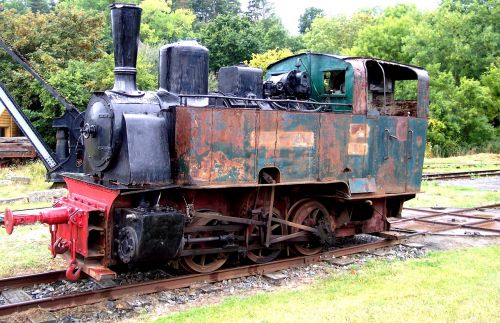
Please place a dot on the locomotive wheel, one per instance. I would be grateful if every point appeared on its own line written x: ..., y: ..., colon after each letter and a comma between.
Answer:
x: 203, y: 263
x: 307, y: 212
x: 263, y: 255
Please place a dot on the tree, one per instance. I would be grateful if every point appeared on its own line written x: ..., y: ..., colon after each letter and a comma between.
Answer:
x: 490, y: 79
x: 95, y: 5
x: 386, y: 38
x: 38, y: 5
x: 181, y: 4
x: 458, y: 114
x: 160, y: 24
x: 19, y: 5
x: 231, y: 40
x: 68, y: 34
x: 259, y: 9
x: 265, y: 59
x: 337, y: 35
x: 272, y: 34
x: 307, y: 18
x: 207, y: 10
x: 464, y: 40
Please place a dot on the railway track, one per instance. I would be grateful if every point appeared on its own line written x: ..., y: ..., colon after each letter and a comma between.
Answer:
x: 418, y: 221
x: 92, y: 297
x: 458, y: 175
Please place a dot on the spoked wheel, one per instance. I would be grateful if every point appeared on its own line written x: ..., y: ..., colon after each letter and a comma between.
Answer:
x: 203, y: 263
x: 307, y: 212
x: 256, y: 234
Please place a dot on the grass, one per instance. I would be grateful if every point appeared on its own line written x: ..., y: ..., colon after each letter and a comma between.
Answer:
x: 436, y: 194
x: 35, y: 170
x: 462, y: 163
x: 446, y: 286
x: 26, y: 251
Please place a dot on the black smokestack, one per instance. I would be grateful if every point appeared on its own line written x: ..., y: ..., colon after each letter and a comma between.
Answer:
x: 125, y: 22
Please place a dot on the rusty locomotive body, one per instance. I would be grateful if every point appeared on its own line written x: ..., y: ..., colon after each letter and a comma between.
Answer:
x: 322, y: 149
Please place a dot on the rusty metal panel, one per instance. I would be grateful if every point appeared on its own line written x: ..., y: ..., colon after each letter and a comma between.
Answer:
x: 230, y: 146
x: 359, y: 134
x: 423, y: 93
x: 193, y: 144
x: 297, y: 145
x: 389, y: 153
x: 265, y: 138
x: 360, y: 90
x: 362, y: 185
x: 417, y: 131
x: 233, y: 146
x: 333, y: 146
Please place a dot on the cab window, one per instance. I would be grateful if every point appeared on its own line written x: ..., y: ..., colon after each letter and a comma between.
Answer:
x: 334, y: 82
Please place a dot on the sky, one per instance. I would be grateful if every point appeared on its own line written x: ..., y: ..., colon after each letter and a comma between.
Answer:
x: 290, y: 10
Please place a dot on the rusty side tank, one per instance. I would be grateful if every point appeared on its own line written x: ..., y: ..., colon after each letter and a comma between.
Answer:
x: 369, y: 138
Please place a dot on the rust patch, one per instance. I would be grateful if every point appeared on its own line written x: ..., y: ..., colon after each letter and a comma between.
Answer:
x: 356, y: 148
x: 284, y: 139
x: 227, y: 170
x: 419, y: 141
x: 402, y: 129
x: 386, y: 179
x: 200, y: 170
x: 358, y: 134
x: 333, y: 145
x: 359, y: 89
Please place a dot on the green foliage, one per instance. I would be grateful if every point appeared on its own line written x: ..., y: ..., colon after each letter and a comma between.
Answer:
x: 63, y: 35
x: 463, y: 41
x: 458, y: 114
x: 337, y: 34
x: 263, y: 60
x: 38, y: 5
x: 161, y: 25
x: 259, y: 9
x: 491, y: 80
x: 270, y: 34
x: 386, y: 37
x: 77, y: 81
x: 91, y: 5
x: 230, y: 39
x: 307, y: 18
x: 207, y: 10
x: 17, y: 5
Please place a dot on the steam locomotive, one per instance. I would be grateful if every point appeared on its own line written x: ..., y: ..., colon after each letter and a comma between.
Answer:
x: 322, y: 149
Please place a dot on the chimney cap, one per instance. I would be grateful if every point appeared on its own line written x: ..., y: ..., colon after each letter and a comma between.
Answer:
x: 119, y: 5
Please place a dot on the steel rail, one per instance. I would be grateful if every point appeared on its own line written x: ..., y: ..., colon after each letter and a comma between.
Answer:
x: 92, y: 297
x: 432, y: 217
x: 456, y: 175
x: 459, y: 212
x: 40, y: 278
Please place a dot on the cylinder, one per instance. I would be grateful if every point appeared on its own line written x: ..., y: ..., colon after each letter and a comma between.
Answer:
x: 184, y: 68
x: 125, y: 24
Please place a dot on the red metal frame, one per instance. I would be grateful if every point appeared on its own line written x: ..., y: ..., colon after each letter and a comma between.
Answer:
x: 68, y: 220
